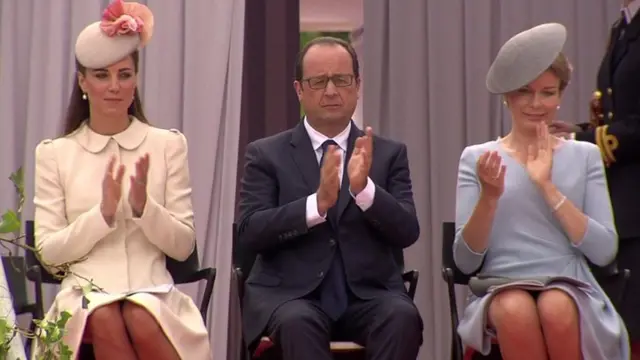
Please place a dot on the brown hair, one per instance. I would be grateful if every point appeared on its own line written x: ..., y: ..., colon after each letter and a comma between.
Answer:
x: 78, y: 108
x: 561, y: 67
x: 326, y: 40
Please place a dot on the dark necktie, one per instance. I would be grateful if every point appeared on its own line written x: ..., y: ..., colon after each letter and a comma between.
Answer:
x: 333, y: 290
x: 325, y: 146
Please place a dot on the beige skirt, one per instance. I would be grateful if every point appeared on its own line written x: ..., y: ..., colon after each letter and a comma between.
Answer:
x: 174, y: 311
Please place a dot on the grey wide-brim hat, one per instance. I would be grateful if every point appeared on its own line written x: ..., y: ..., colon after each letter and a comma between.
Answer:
x: 525, y: 56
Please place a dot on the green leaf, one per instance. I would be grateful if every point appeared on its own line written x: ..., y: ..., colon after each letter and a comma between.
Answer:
x: 17, y: 178
x: 64, y: 317
x: 9, y: 222
x: 65, y: 352
x: 3, y: 329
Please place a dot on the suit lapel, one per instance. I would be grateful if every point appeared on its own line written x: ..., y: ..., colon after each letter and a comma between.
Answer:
x: 607, y: 62
x: 629, y: 36
x: 345, y: 197
x: 305, y: 157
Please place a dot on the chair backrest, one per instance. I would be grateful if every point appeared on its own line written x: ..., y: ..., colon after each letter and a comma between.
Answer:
x: 448, y: 236
x: 182, y: 270
x: 15, y: 272
x: 30, y: 256
x: 243, y: 259
x: 179, y: 270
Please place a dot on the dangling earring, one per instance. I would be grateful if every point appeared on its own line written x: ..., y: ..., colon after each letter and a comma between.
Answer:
x: 84, y: 96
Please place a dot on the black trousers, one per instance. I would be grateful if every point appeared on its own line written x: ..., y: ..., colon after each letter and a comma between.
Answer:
x: 389, y: 327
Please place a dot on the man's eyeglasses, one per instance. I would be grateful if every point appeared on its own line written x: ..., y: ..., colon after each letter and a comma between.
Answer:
x: 321, y: 82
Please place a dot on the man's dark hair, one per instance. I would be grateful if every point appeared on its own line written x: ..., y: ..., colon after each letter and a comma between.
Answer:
x: 327, y: 40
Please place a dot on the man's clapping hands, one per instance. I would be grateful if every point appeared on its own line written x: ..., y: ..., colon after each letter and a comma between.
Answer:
x: 357, y: 171
x: 360, y: 162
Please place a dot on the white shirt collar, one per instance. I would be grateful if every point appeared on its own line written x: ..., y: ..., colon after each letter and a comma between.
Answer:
x: 631, y: 10
x: 131, y: 138
x: 317, y: 139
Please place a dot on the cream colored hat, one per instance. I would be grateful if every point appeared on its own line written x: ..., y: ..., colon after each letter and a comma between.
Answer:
x: 124, y: 28
x: 525, y: 56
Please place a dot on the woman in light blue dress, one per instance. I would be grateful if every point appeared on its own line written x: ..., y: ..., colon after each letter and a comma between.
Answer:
x: 533, y: 205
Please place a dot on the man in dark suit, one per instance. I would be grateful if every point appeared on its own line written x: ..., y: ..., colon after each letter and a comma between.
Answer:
x: 325, y: 206
x: 615, y: 127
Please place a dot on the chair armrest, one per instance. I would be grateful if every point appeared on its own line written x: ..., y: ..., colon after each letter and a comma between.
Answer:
x: 208, y: 274
x: 34, y: 273
x: 411, y: 277
x: 624, y: 279
x: 611, y: 269
x: 202, y: 274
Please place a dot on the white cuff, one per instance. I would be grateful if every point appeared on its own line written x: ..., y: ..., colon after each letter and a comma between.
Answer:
x: 313, y: 218
x: 365, y: 198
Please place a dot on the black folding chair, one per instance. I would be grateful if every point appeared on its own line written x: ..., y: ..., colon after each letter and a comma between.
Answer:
x: 182, y: 272
x: 607, y: 276
x: 15, y: 270
x: 265, y: 350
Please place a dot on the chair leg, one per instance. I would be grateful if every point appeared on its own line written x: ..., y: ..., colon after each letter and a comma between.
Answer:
x: 27, y: 341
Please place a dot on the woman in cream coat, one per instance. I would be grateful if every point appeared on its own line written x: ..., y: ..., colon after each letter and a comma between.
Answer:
x: 113, y: 198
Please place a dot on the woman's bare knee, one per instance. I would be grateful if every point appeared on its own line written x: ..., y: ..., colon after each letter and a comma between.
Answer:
x: 105, y: 318
x: 557, y: 312
x: 142, y: 326
x: 513, y: 308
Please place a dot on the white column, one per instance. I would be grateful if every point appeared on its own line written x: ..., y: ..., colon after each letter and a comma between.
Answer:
x: 357, y: 37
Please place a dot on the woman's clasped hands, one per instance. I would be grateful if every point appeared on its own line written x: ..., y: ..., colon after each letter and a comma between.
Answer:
x: 112, y: 188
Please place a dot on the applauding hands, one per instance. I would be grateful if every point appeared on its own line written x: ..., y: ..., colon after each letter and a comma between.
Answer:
x: 112, y: 188
x: 360, y: 162
x: 491, y: 174
x: 138, y: 191
x: 357, y: 170
x: 111, y: 191
x: 540, y: 157
x: 329, y: 179
x: 539, y: 161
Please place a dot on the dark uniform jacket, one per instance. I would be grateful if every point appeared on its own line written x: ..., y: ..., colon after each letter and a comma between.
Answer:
x: 617, y: 130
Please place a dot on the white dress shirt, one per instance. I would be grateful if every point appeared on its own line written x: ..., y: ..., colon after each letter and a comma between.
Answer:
x: 364, y: 199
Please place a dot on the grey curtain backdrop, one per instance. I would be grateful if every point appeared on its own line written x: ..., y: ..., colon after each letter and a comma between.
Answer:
x: 424, y: 84
x: 190, y: 80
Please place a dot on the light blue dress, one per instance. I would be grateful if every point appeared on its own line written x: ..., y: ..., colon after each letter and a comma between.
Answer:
x: 527, y: 240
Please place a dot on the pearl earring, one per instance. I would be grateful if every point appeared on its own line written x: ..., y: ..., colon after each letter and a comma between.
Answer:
x: 84, y: 96
x: 558, y: 107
